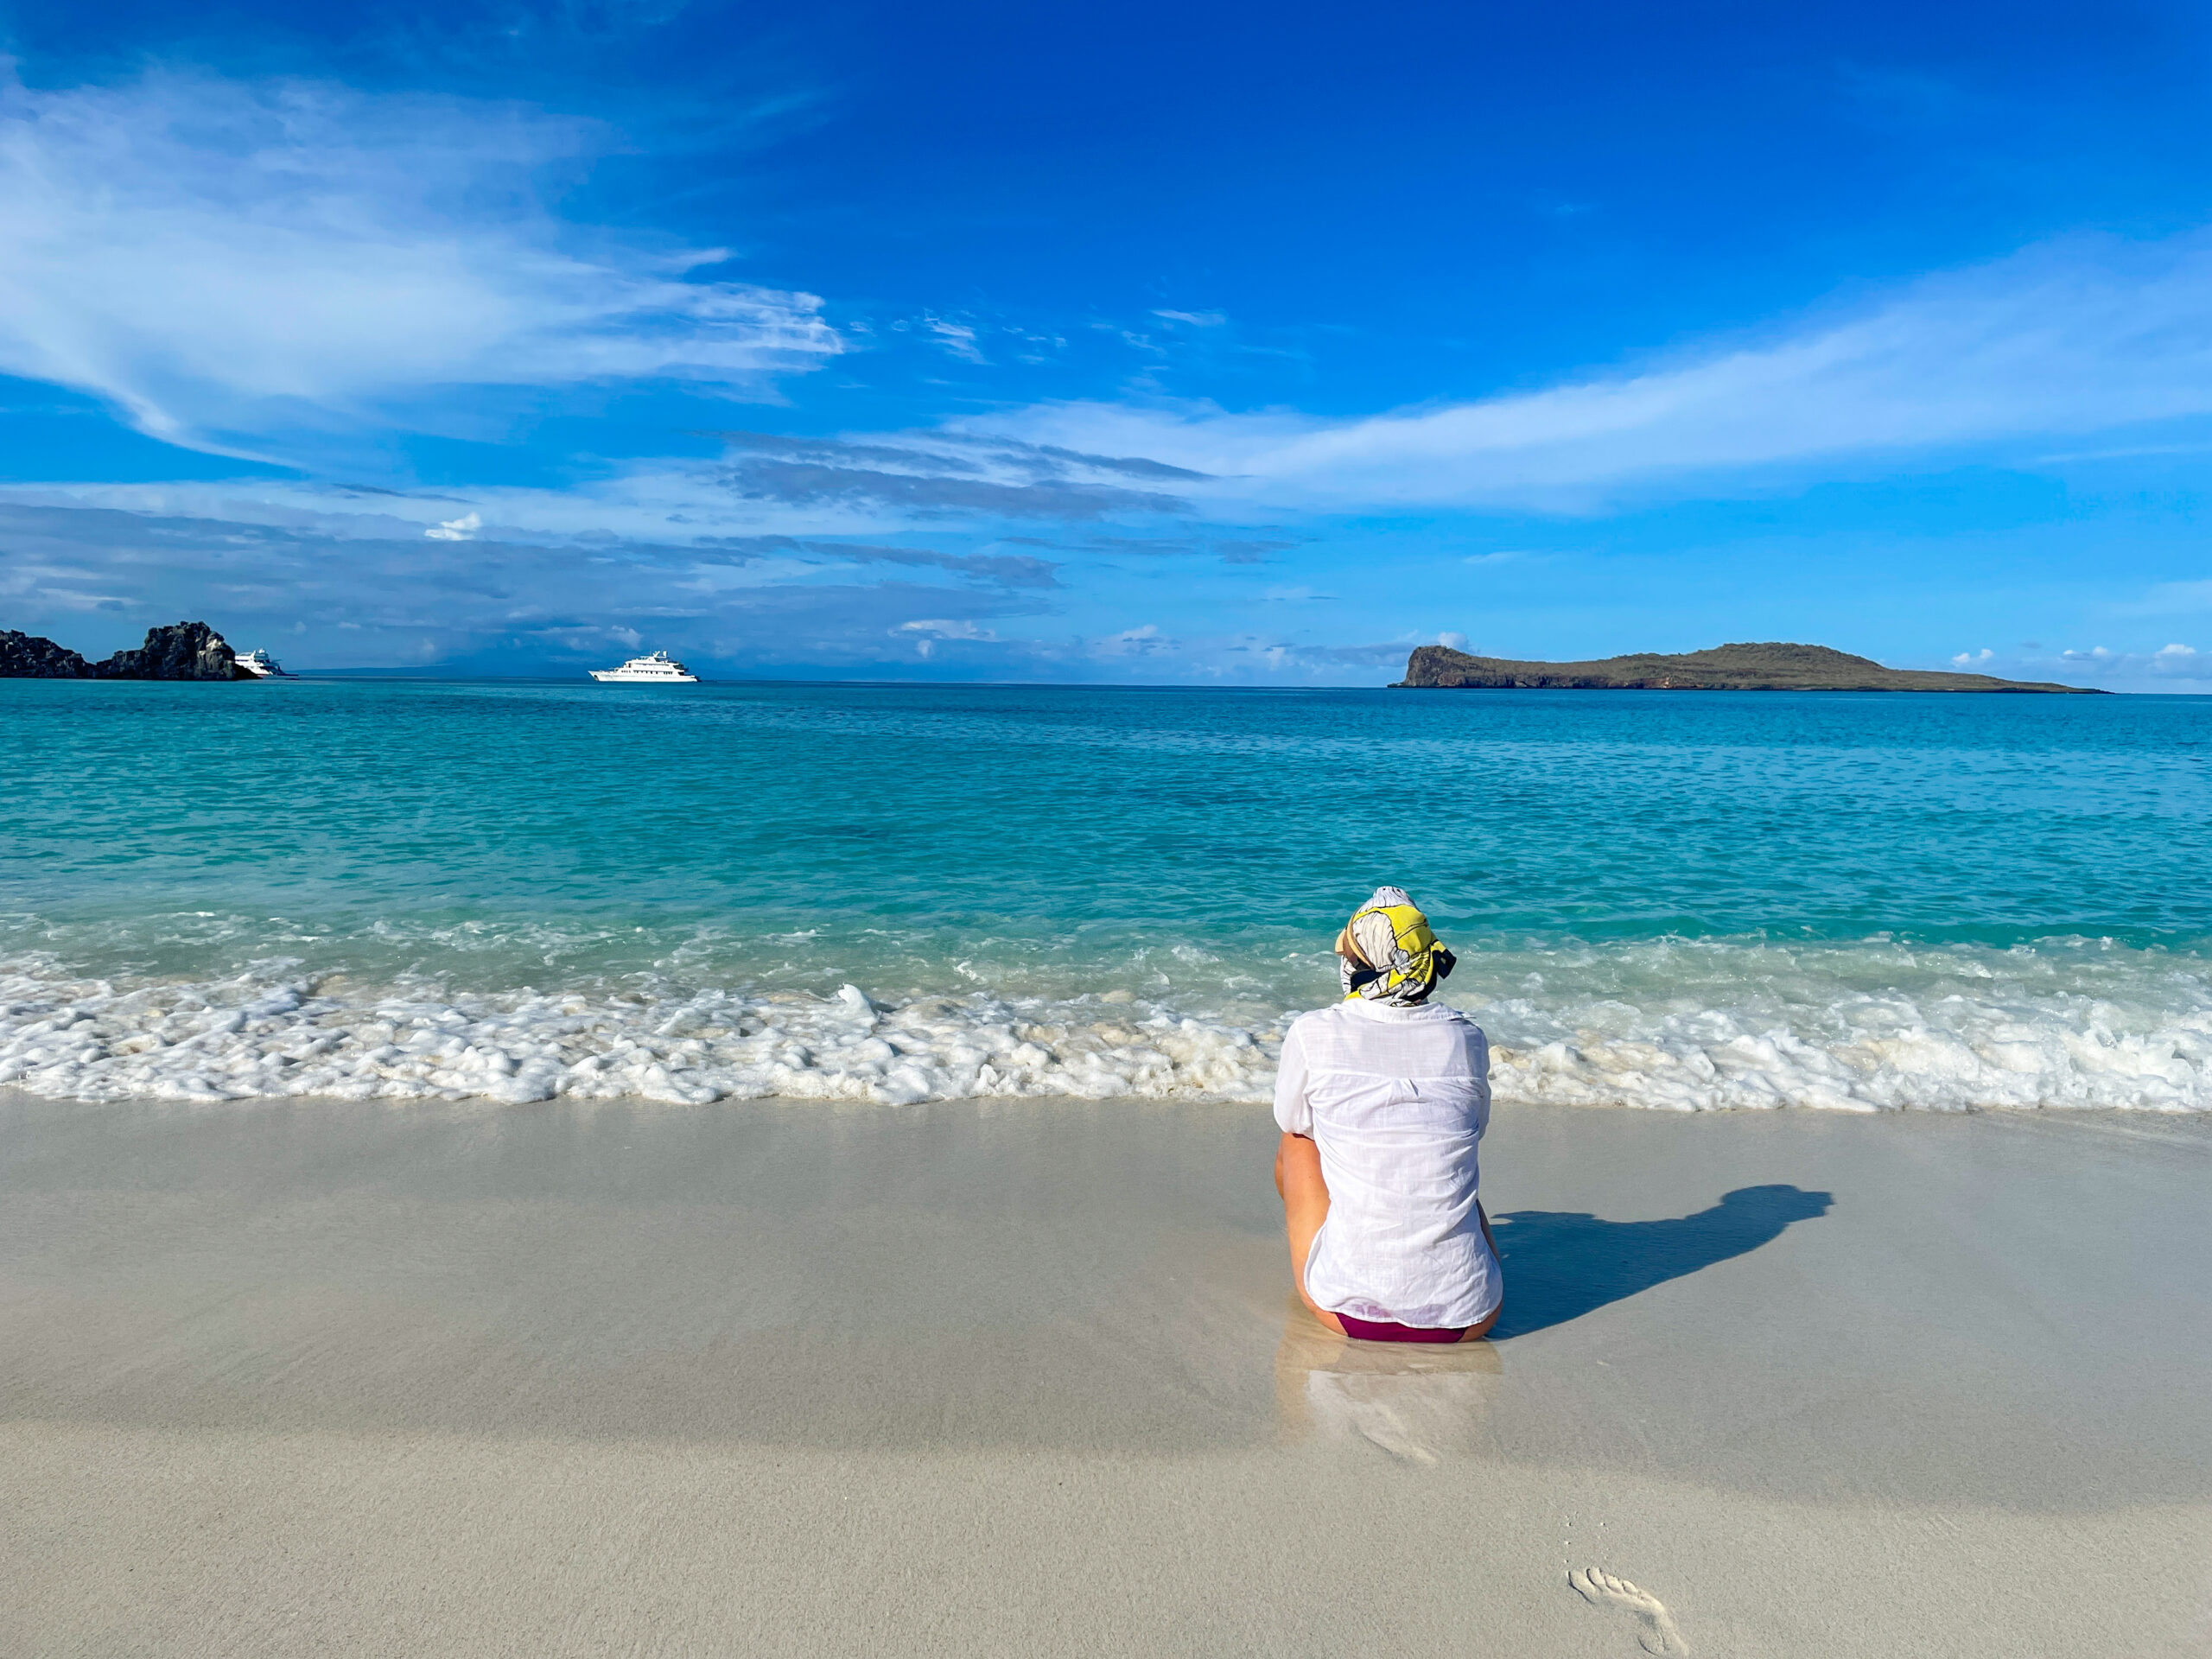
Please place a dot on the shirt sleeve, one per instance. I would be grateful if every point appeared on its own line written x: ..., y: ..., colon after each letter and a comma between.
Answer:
x: 1293, y: 1113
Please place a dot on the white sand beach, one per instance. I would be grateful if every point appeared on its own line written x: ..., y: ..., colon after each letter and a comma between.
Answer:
x: 299, y: 1376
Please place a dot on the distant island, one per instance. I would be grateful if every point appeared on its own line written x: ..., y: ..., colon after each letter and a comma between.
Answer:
x: 1772, y: 667
x: 184, y: 650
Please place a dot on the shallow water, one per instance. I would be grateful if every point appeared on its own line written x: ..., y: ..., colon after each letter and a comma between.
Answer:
x: 896, y: 894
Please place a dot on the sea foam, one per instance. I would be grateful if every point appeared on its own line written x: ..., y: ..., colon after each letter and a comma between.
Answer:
x: 254, y: 1035
x: 1674, y: 1025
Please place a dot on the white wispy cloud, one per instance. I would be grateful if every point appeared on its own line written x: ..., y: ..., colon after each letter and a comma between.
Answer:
x: 940, y: 627
x: 220, y: 258
x: 929, y: 633
x: 957, y: 339
x: 455, y: 529
x: 2084, y: 335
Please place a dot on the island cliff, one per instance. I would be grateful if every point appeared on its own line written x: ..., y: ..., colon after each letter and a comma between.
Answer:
x: 26, y: 657
x: 1770, y: 667
x: 183, y: 650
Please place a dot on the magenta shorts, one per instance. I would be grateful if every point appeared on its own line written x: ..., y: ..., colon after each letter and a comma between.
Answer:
x: 1382, y: 1330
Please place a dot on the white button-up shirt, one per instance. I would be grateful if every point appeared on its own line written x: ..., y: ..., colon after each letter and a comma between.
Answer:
x: 1396, y: 1099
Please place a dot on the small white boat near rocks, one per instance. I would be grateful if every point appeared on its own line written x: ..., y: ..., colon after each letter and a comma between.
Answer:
x: 262, y: 666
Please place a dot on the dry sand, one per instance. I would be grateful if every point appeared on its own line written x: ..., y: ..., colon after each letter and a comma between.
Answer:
x: 293, y: 1377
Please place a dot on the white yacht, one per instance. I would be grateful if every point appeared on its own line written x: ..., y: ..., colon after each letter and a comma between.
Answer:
x: 659, y: 669
x: 262, y: 666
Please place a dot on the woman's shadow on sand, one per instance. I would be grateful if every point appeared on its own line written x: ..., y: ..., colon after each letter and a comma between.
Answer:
x: 1560, y: 1264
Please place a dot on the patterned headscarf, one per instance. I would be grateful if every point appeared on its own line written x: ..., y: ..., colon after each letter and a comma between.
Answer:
x: 1386, y: 952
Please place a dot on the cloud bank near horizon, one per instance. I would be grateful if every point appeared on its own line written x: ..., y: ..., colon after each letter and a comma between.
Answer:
x: 95, y: 577
x: 385, y: 596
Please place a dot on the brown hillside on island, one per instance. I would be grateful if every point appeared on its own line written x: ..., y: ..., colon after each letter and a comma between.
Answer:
x: 1773, y: 667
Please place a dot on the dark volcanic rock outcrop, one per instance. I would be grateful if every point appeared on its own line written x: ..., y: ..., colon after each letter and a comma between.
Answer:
x: 184, y: 650
x: 1724, y: 668
x: 26, y: 657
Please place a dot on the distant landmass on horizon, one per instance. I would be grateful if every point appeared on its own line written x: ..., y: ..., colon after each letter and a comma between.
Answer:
x: 1763, y: 667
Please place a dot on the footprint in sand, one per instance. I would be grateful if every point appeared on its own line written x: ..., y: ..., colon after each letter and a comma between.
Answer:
x: 1655, y: 1631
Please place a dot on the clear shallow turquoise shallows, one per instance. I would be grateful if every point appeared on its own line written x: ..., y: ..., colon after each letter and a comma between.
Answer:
x: 900, y: 893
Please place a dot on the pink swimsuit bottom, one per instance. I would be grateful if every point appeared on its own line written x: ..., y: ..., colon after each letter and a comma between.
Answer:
x: 1379, y: 1331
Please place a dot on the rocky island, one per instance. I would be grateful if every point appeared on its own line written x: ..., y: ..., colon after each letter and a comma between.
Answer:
x: 183, y: 650
x: 1767, y: 667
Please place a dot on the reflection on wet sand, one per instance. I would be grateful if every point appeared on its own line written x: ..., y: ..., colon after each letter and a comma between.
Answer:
x: 1417, y: 1401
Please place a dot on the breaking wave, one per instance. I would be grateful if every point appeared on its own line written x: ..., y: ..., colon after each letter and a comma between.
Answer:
x: 1678, y: 1025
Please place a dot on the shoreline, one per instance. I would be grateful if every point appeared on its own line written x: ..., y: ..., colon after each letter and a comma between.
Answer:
x: 2073, y: 1025
x: 615, y: 1374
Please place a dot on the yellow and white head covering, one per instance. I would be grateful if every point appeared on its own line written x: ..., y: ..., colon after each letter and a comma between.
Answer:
x: 1386, y: 952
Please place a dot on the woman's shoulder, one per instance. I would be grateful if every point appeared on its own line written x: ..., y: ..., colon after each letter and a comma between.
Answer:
x: 1461, y: 1025
x: 1354, y: 1016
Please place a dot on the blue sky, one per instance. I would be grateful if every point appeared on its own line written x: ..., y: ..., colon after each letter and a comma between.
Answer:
x: 1197, y: 343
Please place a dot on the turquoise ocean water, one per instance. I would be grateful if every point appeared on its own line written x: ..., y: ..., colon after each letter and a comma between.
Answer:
x: 895, y: 893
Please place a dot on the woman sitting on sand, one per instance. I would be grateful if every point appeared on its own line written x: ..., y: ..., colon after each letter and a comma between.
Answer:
x: 1381, y: 1100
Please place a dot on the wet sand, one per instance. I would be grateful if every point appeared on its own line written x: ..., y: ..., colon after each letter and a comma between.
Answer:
x: 1026, y: 1379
